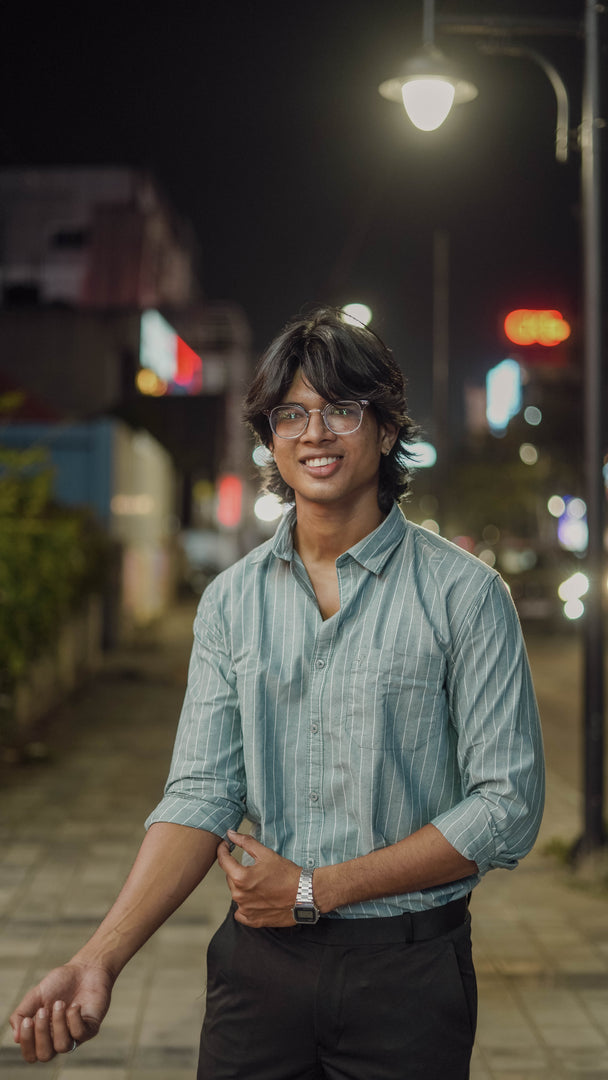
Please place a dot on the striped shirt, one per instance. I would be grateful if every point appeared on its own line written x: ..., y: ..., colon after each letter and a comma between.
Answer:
x: 412, y: 704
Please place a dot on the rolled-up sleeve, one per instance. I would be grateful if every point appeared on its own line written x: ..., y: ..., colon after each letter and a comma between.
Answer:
x: 494, y: 712
x: 206, y: 786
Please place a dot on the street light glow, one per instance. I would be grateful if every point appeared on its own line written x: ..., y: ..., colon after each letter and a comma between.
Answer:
x: 428, y: 101
x: 428, y: 86
x: 357, y: 314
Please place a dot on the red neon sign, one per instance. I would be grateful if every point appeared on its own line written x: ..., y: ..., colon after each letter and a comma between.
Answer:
x: 529, y: 327
x: 229, y: 501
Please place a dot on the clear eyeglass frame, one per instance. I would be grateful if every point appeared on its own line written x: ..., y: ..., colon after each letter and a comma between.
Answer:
x: 325, y: 415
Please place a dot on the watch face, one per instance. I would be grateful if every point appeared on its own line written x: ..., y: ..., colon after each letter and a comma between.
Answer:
x: 306, y: 914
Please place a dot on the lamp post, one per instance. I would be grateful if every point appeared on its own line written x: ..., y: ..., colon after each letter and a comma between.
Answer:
x: 430, y: 68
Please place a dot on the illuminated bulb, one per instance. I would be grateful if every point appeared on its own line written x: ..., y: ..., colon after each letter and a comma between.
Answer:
x: 428, y: 101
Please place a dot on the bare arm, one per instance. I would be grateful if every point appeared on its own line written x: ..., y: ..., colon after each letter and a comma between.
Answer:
x: 266, y: 891
x: 71, y: 1001
x: 419, y: 861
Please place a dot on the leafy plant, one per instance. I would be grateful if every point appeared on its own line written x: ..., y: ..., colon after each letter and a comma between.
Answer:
x: 50, y: 560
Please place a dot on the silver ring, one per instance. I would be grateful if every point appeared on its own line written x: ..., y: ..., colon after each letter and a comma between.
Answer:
x: 74, y: 1046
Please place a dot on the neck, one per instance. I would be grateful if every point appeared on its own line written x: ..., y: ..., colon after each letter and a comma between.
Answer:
x: 323, y: 533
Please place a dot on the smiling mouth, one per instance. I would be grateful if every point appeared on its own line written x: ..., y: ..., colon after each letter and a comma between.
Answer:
x: 319, y: 462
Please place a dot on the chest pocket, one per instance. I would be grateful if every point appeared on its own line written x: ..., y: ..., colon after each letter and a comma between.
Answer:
x: 396, y: 702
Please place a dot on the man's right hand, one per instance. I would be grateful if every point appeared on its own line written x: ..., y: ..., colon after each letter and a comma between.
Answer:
x: 69, y: 1004
x: 71, y: 1001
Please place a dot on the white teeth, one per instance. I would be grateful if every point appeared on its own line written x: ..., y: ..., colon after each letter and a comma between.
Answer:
x: 317, y: 462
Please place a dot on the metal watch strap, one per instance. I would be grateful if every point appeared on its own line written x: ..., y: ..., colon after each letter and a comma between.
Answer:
x: 305, y: 910
x: 304, y: 894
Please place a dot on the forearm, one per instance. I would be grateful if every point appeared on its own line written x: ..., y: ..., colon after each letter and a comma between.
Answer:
x: 418, y: 862
x: 172, y: 861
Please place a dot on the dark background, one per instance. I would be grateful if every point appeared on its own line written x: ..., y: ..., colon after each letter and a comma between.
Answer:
x: 263, y: 123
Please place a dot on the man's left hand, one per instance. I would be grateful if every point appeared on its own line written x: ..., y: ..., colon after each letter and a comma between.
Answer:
x: 265, y: 892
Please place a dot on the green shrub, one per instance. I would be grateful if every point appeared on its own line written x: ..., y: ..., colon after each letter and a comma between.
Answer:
x: 50, y: 560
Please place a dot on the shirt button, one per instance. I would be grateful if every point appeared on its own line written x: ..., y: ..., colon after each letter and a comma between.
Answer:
x: 310, y: 862
x: 314, y: 797
x: 320, y: 663
x: 314, y: 728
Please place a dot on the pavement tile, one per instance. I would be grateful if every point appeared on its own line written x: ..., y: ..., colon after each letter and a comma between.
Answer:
x: 76, y: 1072
x: 577, y: 1036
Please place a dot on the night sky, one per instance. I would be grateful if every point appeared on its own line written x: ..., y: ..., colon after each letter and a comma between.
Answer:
x: 263, y: 123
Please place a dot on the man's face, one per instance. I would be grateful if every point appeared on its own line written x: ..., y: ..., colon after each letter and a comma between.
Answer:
x: 330, y: 469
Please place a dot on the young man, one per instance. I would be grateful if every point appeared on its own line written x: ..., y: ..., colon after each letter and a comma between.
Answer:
x: 359, y: 690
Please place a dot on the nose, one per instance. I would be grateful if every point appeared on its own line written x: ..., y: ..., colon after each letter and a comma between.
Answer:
x: 317, y: 430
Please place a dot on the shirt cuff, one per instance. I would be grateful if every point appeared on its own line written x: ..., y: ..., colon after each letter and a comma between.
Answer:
x: 471, y: 830
x: 180, y: 810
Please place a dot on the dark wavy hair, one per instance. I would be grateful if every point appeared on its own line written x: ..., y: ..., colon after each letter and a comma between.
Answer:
x: 340, y: 361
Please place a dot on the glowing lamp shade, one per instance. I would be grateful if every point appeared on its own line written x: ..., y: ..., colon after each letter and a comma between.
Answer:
x: 428, y: 101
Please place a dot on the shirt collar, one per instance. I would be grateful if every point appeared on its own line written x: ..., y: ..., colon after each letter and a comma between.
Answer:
x: 372, y: 552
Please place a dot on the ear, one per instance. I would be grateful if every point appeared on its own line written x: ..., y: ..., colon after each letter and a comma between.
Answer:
x: 387, y: 437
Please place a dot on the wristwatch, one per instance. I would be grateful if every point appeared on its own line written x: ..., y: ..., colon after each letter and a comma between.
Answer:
x: 305, y: 909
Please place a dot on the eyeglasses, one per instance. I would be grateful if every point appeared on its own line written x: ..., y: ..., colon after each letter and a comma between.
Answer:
x: 340, y: 417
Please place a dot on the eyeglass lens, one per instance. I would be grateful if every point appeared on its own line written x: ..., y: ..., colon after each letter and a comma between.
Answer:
x: 341, y: 417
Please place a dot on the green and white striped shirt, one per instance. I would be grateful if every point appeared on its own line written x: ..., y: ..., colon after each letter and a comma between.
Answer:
x: 412, y: 704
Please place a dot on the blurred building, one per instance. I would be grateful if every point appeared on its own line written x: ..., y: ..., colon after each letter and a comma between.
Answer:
x: 90, y: 260
x: 91, y: 238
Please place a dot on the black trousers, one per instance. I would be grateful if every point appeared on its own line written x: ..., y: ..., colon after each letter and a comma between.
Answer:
x: 356, y: 1000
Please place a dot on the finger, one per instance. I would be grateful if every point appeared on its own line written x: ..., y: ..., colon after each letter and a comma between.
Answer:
x: 27, y: 1039
x: 247, y: 843
x: 42, y: 1030
x: 62, y: 1039
x: 31, y: 1002
x: 82, y: 1026
x: 239, y: 917
x: 227, y: 862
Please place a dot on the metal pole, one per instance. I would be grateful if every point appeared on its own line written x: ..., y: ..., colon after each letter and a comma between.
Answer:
x: 428, y: 22
x: 441, y: 361
x: 441, y: 373
x: 593, y: 837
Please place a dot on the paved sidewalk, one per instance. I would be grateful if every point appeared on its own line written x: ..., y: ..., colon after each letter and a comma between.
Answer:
x: 70, y: 827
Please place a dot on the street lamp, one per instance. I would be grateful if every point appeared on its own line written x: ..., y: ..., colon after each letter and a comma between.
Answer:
x: 431, y: 68
x: 429, y: 84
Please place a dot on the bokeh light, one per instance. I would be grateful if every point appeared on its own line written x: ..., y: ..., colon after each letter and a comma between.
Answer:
x: 355, y: 314
x: 528, y: 453
x: 556, y: 506
x: 268, y: 508
x: 532, y: 415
